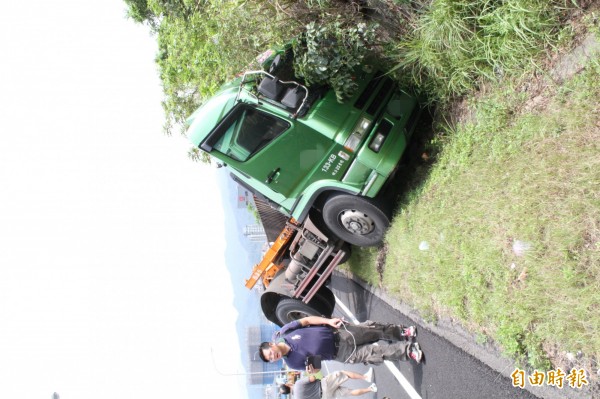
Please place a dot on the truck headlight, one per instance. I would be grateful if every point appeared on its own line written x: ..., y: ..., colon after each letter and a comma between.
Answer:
x: 377, y: 142
x: 385, y: 127
x: 358, y: 132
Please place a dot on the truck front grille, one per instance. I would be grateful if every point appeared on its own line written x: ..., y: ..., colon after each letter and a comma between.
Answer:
x: 376, y: 92
x: 361, y: 101
x: 384, y: 90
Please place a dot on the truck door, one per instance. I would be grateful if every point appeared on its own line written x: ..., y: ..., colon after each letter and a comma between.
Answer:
x: 268, y: 148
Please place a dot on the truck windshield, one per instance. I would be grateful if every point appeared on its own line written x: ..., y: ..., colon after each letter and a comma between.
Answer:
x: 245, y: 131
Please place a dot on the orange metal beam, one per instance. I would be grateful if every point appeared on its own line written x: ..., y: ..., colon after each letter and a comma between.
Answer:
x: 267, y: 266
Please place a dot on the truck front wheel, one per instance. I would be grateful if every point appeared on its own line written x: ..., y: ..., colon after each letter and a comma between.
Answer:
x: 355, y: 220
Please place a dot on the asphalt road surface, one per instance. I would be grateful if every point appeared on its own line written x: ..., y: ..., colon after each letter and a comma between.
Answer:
x: 446, y: 372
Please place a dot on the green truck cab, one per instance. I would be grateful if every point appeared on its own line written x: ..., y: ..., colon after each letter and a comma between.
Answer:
x: 304, y: 152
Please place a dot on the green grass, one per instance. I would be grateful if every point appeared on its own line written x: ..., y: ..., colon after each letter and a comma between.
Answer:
x: 454, y: 45
x: 508, y: 176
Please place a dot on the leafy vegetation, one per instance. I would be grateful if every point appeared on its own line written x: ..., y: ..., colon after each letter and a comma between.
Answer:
x: 202, y: 44
x: 455, y: 45
x: 329, y: 52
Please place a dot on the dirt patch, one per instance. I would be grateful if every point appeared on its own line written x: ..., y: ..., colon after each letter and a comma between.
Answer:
x: 380, y: 261
x: 568, y: 361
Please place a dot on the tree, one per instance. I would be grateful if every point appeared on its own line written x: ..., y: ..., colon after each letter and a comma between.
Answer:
x: 204, y: 43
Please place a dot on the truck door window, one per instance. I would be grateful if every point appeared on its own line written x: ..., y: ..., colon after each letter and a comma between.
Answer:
x: 247, y: 133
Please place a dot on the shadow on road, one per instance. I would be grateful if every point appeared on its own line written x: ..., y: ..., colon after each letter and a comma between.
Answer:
x: 418, y: 377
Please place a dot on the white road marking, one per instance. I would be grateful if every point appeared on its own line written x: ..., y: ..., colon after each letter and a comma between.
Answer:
x: 391, y: 366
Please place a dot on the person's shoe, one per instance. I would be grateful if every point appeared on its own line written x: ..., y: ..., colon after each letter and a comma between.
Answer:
x: 410, y: 332
x: 415, y: 352
x: 373, y: 387
x: 369, y: 375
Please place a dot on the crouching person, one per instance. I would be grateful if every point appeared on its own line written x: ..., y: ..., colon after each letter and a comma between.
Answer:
x: 315, y: 386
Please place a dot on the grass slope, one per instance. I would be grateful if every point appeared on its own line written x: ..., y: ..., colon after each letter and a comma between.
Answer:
x: 510, y: 214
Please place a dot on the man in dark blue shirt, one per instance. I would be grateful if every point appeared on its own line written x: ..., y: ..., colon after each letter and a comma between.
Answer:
x: 332, y: 339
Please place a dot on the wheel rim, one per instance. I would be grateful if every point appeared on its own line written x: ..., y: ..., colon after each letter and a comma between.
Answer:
x: 356, y: 222
x: 295, y: 315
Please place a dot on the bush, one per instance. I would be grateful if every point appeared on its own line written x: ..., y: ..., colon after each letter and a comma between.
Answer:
x: 328, y: 53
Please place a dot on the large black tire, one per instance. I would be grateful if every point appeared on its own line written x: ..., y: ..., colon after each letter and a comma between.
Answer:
x: 291, y: 309
x: 356, y: 220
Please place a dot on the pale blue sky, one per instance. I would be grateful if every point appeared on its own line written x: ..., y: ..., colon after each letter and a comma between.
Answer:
x: 111, y: 241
